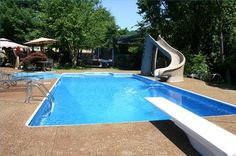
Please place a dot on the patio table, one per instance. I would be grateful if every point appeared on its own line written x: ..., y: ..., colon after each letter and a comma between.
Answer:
x: 44, y: 63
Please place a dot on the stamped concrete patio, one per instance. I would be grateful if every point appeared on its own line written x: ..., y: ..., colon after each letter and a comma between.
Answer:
x: 142, y: 138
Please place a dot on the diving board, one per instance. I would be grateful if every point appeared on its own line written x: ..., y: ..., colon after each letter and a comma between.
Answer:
x: 206, y: 137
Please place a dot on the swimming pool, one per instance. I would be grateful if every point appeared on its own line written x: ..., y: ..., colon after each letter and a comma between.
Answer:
x: 93, y: 98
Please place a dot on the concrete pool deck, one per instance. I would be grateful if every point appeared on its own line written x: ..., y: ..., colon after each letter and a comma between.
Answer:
x: 143, y: 138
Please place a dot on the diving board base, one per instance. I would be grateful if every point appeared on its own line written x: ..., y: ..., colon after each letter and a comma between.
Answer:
x: 206, y: 137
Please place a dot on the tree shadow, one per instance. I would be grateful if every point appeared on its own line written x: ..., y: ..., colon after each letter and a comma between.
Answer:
x: 176, y: 136
x: 222, y: 86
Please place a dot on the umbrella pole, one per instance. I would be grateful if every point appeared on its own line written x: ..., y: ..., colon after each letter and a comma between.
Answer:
x: 17, y: 62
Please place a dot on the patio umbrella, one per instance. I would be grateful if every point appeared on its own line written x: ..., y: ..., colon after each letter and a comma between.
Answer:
x: 9, y: 44
x: 41, y: 41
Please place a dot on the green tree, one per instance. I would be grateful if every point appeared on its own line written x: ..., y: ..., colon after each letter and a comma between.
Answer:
x: 193, y: 27
x: 153, y: 19
x: 102, y: 28
x: 226, y: 22
x: 17, y: 19
x: 77, y: 24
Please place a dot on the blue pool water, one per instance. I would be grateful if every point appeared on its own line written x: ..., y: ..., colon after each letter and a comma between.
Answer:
x: 36, y: 75
x: 110, y: 98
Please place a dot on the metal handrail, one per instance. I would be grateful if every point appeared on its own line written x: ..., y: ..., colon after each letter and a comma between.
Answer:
x: 42, y: 89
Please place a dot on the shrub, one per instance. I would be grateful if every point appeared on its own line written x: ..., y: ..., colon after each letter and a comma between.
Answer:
x: 33, y: 58
x: 197, y: 66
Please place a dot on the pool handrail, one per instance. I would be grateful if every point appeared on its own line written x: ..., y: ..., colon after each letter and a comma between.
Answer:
x: 206, y: 137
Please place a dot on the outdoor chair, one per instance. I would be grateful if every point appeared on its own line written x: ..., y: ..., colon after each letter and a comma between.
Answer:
x: 42, y: 65
x: 6, y: 80
x: 11, y: 79
x: 31, y: 67
x: 105, y: 63
x: 49, y: 65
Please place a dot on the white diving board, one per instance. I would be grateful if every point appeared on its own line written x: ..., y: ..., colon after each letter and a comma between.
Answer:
x: 206, y: 137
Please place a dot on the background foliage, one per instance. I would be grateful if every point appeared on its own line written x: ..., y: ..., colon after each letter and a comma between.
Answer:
x: 196, y: 28
x: 80, y: 24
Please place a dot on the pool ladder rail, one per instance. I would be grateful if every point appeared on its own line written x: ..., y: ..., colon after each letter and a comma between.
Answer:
x: 39, y: 84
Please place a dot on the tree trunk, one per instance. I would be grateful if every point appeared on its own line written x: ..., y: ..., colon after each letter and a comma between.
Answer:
x: 221, y: 39
x: 228, y: 79
x: 73, y: 56
x: 74, y: 61
x: 221, y: 27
